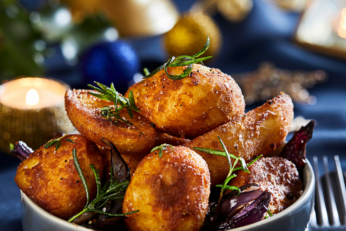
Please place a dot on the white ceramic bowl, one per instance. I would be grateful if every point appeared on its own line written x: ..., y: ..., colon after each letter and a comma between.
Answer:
x: 296, y: 217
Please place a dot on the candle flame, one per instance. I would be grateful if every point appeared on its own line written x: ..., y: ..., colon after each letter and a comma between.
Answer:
x: 32, y: 97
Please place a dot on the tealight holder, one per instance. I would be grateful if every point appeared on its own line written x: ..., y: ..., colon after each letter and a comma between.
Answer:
x: 31, y: 110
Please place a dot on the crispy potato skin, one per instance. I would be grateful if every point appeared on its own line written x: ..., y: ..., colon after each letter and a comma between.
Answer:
x: 276, y: 175
x: 171, y: 192
x: 164, y: 138
x: 83, y: 110
x: 192, y: 106
x: 258, y: 132
x: 51, y: 180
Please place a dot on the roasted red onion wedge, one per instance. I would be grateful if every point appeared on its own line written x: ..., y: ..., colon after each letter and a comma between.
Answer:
x: 121, y: 172
x: 120, y: 169
x: 250, y: 214
x: 21, y: 150
x: 295, y: 149
x: 232, y: 203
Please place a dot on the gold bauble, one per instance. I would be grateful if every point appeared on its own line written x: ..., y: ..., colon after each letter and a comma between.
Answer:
x: 189, y: 34
x: 234, y: 10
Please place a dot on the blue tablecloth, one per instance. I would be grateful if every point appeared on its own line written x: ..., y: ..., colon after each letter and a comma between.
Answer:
x: 265, y: 35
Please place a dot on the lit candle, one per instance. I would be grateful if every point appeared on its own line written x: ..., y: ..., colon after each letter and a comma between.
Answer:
x: 32, y: 93
x: 31, y: 109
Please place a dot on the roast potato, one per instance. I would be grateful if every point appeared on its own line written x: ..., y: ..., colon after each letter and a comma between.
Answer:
x: 51, y: 180
x: 276, y: 175
x: 259, y: 131
x: 83, y: 109
x: 192, y: 106
x: 171, y: 192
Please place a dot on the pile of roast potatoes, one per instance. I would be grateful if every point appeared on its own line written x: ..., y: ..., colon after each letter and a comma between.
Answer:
x: 171, y: 192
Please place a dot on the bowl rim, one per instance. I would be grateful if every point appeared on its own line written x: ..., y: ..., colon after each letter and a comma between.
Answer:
x: 49, y: 216
x: 305, y: 197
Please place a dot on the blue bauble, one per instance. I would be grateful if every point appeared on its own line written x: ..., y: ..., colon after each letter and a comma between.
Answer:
x: 110, y: 62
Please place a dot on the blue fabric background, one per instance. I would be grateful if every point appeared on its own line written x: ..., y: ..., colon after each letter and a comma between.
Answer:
x: 266, y: 35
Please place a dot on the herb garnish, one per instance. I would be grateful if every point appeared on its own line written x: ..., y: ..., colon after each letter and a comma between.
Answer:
x: 120, y: 102
x: 57, y: 142
x: 110, y: 191
x: 232, y: 169
x: 11, y: 147
x: 161, y: 148
x: 183, y: 60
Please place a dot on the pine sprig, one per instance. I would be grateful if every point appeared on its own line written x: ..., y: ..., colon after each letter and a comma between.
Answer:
x: 120, y: 102
x: 57, y: 142
x: 112, y: 190
x: 183, y: 60
x: 232, y: 168
x: 161, y: 148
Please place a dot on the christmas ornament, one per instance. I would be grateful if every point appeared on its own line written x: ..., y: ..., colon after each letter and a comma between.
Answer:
x: 141, y: 17
x: 82, y: 8
x: 268, y: 81
x: 110, y: 62
x: 292, y: 5
x: 189, y: 35
x: 234, y: 10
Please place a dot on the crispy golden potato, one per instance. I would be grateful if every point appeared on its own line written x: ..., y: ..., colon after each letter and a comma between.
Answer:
x: 259, y: 131
x: 171, y: 192
x: 192, y: 106
x: 83, y: 110
x: 51, y: 180
x: 276, y: 175
x: 164, y: 138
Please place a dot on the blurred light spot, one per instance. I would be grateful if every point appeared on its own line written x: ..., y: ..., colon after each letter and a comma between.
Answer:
x: 111, y: 34
x: 40, y: 45
x: 342, y: 28
x: 62, y: 17
x: 12, y: 11
x: 69, y: 49
x: 39, y: 59
x: 38, y: 82
x: 35, y: 17
x: 137, y: 77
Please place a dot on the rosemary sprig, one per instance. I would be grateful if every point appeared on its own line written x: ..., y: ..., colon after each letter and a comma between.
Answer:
x: 146, y: 71
x: 112, y: 190
x: 57, y: 142
x: 183, y: 60
x: 232, y: 168
x: 120, y: 102
x: 161, y: 148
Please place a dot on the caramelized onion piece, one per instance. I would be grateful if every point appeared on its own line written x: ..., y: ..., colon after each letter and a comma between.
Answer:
x: 250, y: 214
x: 295, y: 149
x: 21, y: 150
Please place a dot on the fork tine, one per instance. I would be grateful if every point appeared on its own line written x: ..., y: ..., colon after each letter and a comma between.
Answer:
x: 321, y: 211
x: 330, y: 198
x: 341, y: 185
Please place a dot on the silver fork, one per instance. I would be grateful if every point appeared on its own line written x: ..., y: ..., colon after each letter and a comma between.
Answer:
x: 330, y: 198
